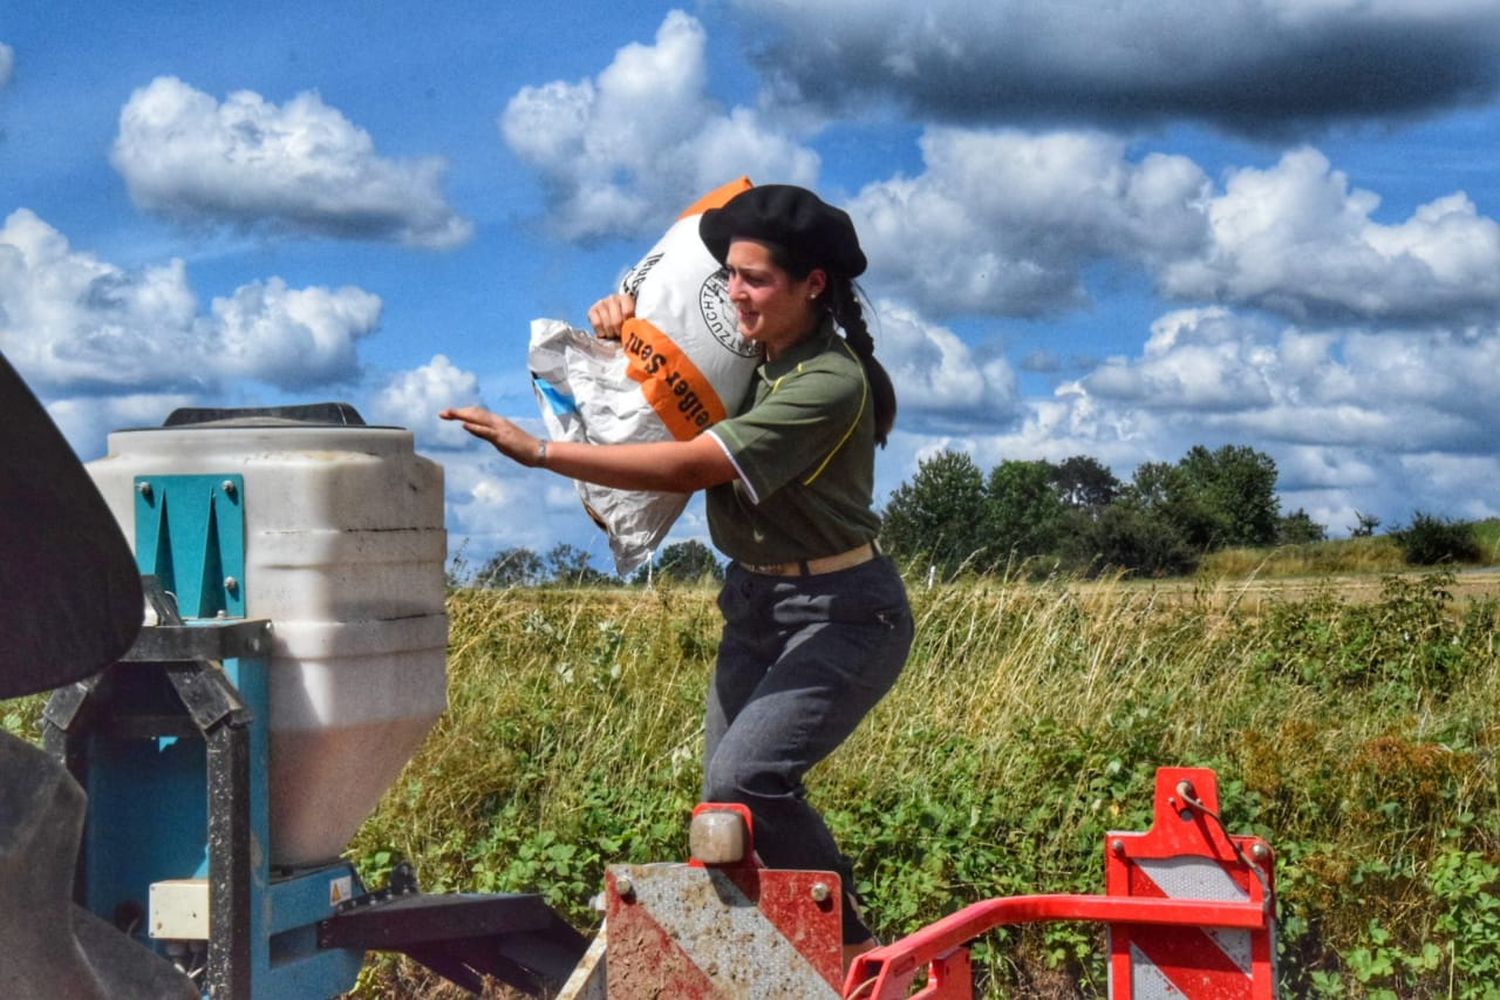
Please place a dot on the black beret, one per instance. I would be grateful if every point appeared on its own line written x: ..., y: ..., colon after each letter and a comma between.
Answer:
x: 814, y: 233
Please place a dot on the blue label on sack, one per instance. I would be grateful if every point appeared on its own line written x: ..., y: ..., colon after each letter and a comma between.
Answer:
x: 558, y: 402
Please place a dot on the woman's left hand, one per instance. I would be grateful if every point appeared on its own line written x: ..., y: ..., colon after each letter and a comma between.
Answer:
x: 508, y: 439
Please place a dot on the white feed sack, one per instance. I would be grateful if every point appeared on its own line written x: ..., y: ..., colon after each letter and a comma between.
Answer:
x: 679, y: 366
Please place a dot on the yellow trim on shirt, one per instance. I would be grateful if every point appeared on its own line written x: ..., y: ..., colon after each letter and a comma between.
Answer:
x: 864, y: 394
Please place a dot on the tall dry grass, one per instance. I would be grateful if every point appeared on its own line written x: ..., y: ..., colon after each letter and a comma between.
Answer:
x: 1359, y: 738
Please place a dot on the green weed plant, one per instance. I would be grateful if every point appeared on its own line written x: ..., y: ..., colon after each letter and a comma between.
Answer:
x: 1358, y: 736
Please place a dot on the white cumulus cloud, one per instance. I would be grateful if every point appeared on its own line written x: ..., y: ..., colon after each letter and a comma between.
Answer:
x: 87, y: 421
x: 1385, y: 421
x: 1200, y: 359
x: 1004, y: 222
x: 1406, y: 391
x: 1458, y: 486
x: 630, y: 147
x: 935, y: 373
x: 1295, y: 238
x: 1379, y: 421
x: 413, y: 398
x: 292, y: 337
x: 76, y: 325
x: 493, y: 503
x: 301, y: 167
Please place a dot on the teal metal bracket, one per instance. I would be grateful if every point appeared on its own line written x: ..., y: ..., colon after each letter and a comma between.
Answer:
x: 190, y: 534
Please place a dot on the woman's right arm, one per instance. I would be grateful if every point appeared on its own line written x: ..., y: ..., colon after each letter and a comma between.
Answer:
x: 673, y: 466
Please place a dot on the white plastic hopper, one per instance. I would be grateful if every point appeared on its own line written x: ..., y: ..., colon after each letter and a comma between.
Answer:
x: 344, y: 552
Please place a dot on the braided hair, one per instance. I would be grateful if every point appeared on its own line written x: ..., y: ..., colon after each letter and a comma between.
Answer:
x: 840, y: 300
x: 843, y: 305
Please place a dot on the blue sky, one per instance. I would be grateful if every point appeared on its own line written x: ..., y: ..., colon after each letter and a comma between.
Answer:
x: 1116, y: 230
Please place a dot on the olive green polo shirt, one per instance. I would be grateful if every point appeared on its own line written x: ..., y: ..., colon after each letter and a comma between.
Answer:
x: 803, y: 444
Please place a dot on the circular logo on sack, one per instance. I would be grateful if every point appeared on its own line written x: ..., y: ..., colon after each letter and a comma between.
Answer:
x: 719, y: 315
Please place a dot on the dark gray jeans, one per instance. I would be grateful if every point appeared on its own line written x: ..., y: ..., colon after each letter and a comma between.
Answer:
x: 801, y: 661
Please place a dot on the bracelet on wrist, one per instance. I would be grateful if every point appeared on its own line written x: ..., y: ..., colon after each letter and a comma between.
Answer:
x: 541, y: 454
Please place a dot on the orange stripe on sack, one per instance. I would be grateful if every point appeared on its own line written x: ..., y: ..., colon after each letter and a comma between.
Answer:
x: 718, y: 197
x: 680, y: 394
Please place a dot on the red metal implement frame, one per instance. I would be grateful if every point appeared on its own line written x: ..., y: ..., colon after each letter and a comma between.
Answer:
x: 706, y: 931
x: 1186, y: 826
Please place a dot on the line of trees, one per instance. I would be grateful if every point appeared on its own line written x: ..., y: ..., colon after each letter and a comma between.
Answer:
x: 566, y: 565
x: 1075, y: 515
x: 1078, y: 516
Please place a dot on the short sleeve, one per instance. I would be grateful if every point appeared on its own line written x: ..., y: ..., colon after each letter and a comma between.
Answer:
x: 794, y: 429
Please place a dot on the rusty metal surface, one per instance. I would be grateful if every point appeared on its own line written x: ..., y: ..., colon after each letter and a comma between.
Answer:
x: 687, y: 932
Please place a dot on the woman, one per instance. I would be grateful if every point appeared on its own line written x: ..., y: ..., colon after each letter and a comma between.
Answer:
x: 816, y: 622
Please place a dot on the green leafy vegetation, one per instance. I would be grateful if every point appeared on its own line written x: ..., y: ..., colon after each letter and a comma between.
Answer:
x: 1214, y: 511
x: 1430, y: 540
x: 1358, y: 736
x: 1355, y: 730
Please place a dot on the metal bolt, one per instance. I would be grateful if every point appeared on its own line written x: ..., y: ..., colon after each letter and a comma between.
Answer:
x: 1259, y: 852
x: 228, y: 487
x: 820, y: 892
x: 231, y: 584
x: 1118, y: 846
x: 144, y: 489
x: 624, y: 886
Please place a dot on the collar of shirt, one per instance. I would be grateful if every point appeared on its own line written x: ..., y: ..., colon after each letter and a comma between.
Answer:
x: 805, y: 349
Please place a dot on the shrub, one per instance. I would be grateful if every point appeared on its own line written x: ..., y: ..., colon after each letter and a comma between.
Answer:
x: 1359, y: 737
x: 1358, y: 733
x: 1430, y: 540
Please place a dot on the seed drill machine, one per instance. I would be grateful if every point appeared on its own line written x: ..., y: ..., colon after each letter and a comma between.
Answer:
x: 239, y: 616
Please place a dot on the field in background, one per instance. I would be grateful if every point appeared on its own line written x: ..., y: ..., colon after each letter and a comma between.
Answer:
x: 1343, y: 557
x: 1356, y: 730
x: 1254, y: 593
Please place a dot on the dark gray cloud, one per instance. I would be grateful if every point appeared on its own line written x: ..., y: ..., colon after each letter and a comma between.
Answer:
x: 1247, y: 65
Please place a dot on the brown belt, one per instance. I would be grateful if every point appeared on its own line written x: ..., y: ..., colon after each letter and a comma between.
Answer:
x: 815, y: 567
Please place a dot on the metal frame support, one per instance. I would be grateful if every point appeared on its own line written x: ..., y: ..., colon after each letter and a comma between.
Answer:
x: 516, y: 938
x: 171, y: 656
x: 721, y: 925
x: 230, y: 960
x: 1186, y: 826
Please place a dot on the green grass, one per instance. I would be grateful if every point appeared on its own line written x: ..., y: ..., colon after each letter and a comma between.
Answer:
x: 1359, y: 738
x: 1488, y: 535
x: 1378, y: 554
x: 1348, y: 556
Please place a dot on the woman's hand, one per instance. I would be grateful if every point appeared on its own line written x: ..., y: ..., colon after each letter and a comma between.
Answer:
x: 608, y: 315
x: 508, y: 439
